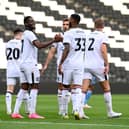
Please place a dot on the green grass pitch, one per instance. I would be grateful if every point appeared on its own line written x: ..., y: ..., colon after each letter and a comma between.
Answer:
x: 47, y: 106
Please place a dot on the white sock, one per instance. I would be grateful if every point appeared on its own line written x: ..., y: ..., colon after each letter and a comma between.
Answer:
x: 19, y: 100
x: 33, y: 100
x: 26, y: 101
x: 69, y: 96
x: 81, y: 112
x: 8, y: 101
x: 83, y: 97
x: 108, y: 101
x: 73, y: 95
x: 76, y: 99
x: 60, y: 104
x: 65, y: 96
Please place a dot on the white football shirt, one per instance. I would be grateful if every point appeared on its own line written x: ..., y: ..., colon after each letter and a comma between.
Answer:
x: 59, y: 48
x: 93, y: 55
x: 76, y: 38
x: 13, y: 52
x: 29, y: 51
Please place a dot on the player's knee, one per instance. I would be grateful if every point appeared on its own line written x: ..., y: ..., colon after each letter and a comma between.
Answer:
x: 60, y: 86
x: 91, y: 87
x: 25, y: 86
x: 106, y: 89
x: 84, y: 89
x: 10, y: 89
x: 66, y: 86
x: 35, y: 86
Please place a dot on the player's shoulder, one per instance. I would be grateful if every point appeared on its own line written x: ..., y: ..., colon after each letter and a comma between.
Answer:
x: 98, y: 33
x: 28, y: 32
x: 10, y: 42
x: 103, y: 35
x: 67, y: 33
x: 72, y: 31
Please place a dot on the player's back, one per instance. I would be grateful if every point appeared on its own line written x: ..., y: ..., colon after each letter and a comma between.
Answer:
x: 13, y: 52
x: 76, y: 38
x: 29, y: 51
x: 93, y: 55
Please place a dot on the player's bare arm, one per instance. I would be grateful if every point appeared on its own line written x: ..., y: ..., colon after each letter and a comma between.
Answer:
x: 105, y: 57
x: 40, y: 45
x: 50, y: 55
x: 64, y: 55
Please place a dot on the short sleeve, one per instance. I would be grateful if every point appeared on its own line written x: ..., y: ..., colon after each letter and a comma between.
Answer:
x: 67, y: 38
x: 105, y: 39
x: 54, y: 45
x: 31, y: 37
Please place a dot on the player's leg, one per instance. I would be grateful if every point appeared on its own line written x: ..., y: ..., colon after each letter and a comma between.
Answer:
x: 67, y: 76
x: 65, y: 101
x: 22, y: 92
x: 59, y: 99
x: 33, y: 77
x: 88, y: 96
x: 86, y: 83
x: 59, y: 93
x: 87, y: 77
x: 77, y: 94
x: 89, y: 93
x: 26, y: 101
x: 10, y: 89
x: 108, y: 99
x: 104, y: 83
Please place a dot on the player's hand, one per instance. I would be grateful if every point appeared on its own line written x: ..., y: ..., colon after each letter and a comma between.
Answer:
x: 44, y: 67
x: 58, y: 38
x: 106, y: 69
x: 60, y: 70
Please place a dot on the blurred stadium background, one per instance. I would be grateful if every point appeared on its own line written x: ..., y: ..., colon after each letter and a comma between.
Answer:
x: 48, y: 15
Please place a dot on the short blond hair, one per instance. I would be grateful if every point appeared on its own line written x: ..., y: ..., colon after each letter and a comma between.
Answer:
x: 99, y: 23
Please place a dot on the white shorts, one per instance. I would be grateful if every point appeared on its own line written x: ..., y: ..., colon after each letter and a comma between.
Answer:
x: 98, y: 73
x: 11, y: 80
x: 13, y: 71
x: 74, y: 76
x: 29, y: 73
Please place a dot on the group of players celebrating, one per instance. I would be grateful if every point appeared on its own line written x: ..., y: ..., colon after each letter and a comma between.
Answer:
x: 81, y: 57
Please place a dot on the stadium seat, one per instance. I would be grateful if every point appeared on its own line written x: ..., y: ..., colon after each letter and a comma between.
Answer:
x: 48, y: 16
